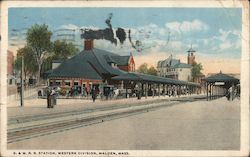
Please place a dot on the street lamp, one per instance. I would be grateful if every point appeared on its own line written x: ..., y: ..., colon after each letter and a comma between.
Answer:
x: 22, y: 70
x: 22, y: 88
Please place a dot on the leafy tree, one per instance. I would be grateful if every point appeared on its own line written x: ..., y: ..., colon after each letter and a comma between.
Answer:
x: 196, y: 69
x: 30, y: 64
x: 63, y: 50
x: 38, y: 39
x: 60, y: 50
x: 152, y: 71
x: 143, y: 68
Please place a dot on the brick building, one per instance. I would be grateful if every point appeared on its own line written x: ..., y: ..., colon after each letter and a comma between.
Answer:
x: 89, y: 68
x: 10, y: 61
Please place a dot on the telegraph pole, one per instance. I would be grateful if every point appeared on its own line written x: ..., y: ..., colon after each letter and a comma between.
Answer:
x: 22, y: 90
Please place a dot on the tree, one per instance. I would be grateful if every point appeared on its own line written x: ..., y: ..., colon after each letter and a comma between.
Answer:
x: 196, y: 69
x: 30, y: 64
x: 143, y: 68
x: 38, y: 39
x: 63, y: 50
x: 152, y: 71
x: 60, y: 50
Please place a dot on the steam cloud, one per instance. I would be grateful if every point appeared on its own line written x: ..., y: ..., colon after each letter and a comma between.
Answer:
x: 108, y: 34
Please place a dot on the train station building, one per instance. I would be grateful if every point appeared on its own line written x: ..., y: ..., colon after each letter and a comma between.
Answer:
x: 94, y: 67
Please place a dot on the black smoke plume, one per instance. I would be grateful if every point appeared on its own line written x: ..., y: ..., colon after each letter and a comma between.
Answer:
x: 108, y: 20
x: 121, y: 35
x: 106, y: 33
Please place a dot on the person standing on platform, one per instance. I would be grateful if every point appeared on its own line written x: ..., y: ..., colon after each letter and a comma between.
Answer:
x: 93, y: 93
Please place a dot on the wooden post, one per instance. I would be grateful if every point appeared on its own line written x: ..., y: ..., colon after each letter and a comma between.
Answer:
x: 159, y: 90
x: 207, y: 90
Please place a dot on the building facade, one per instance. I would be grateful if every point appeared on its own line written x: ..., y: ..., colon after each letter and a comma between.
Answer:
x: 191, y: 56
x: 89, y: 68
x: 10, y: 61
x: 173, y: 68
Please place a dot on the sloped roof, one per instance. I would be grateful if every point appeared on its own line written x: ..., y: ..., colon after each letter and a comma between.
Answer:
x: 182, y: 65
x: 121, y: 60
x: 88, y: 64
x: 220, y: 77
x: 134, y: 76
x: 169, y: 62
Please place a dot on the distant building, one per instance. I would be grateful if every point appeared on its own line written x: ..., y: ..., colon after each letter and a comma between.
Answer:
x: 191, y: 56
x: 173, y: 68
x: 10, y: 61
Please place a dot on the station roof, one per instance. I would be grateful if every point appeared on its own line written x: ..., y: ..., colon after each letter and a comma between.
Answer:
x: 89, y: 64
x: 133, y: 76
x: 220, y: 77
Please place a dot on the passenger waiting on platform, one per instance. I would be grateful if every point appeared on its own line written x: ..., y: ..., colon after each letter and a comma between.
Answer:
x: 83, y: 92
x: 230, y: 94
x: 88, y: 90
x: 93, y: 93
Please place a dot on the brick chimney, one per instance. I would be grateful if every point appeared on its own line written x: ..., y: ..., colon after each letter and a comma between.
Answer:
x: 88, y: 44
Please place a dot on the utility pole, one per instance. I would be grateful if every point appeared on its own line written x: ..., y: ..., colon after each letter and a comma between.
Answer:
x: 22, y: 90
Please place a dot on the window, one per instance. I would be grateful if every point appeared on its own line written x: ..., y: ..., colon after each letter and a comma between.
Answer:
x: 67, y: 83
x: 114, y: 65
x: 58, y: 83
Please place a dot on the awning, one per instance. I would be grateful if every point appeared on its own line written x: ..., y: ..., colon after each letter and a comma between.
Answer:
x: 133, y: 76
x: 220, y: 77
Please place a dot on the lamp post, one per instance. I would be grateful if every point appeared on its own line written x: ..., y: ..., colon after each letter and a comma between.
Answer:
x: 22, y: 81
x: 22, y: 67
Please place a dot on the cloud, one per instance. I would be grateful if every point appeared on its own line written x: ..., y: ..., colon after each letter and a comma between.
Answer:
x: 150, y: 58
x: 69, y: 26
x: 225, y: 45
x: 187, y: 26
x: 227, y: 40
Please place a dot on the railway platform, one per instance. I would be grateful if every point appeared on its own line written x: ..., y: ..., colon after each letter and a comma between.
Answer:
x: 35, y: 106
x: 189, y: 125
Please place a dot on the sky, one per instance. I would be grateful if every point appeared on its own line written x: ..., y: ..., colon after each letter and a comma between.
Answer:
x: 215, y: 33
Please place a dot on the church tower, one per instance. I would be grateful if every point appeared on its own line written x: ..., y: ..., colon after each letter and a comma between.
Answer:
x: 191, y: 57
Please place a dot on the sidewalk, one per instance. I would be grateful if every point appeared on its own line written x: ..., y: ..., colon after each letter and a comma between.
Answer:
x: 35, y: 106
x: 29, y: 92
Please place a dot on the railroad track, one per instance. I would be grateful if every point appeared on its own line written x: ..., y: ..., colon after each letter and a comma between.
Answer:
x: 28, y: 118
x: 23, y: 133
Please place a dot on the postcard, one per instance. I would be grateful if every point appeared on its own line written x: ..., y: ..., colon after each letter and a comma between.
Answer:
x: 124, y: 78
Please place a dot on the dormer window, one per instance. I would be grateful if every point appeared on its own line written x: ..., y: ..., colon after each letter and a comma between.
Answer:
x: 114, y: 65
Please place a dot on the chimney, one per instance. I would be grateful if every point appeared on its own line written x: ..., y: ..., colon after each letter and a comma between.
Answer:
x: 88, y: 44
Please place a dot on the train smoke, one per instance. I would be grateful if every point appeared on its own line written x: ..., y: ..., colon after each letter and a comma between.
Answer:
x: 106, y: 33
x: 121, y: 35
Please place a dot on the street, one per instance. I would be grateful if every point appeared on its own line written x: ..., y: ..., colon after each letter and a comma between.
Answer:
x: 200, y: 125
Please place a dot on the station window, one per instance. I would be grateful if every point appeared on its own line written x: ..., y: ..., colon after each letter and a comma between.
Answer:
x: 51, y: 83
x: 58, y: 83
x: 75, y: 83
x: 67, y: 83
